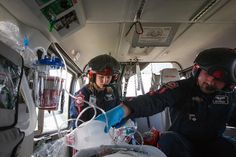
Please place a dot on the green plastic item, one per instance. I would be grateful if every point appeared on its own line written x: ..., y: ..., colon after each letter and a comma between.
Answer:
x: 55, y: 8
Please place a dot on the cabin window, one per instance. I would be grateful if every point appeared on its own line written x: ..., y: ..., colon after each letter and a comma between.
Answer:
x: 77, y: 85
x: 134, y: 83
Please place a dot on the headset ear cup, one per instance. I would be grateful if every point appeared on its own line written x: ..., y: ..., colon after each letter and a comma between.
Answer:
x: 195, y: 70
x: 94, y: 78
x: 114, y: 78
x: 91, y: 76
x: 232, y: 86
x: 233, y: 75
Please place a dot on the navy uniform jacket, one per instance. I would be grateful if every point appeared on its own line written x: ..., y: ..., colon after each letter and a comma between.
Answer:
x: 195, y: 115
x: 105, y: 99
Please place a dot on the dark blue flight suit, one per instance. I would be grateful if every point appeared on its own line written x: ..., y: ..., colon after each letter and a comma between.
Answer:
x: 198, y: 119
x: 104, y: 100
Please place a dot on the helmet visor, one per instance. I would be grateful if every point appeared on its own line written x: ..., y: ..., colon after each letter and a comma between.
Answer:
x: 106, y: 72
x: 219, y: 74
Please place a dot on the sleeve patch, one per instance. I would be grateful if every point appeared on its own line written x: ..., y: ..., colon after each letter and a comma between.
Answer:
x: 172, y: 85
x: 79, y: 101
x: 169, y: 85
x: 152, y: 92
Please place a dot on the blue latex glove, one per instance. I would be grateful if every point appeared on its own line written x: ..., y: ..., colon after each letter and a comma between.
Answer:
x: 114, y: 116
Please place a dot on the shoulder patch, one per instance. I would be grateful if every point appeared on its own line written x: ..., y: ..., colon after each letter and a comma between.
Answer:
x: 152, y: 92
x: 169, y: 85
x: 79, y: 100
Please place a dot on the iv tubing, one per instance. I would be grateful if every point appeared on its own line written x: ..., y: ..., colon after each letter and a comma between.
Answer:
x: 55, y: 119
x: 92, y: 105
x: 60, y: 135
x: 95, y: 112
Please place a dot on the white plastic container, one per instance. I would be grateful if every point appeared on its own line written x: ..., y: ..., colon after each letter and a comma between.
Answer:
x: 49, y: 85
x: 50, y: 93
x: 87, y: 135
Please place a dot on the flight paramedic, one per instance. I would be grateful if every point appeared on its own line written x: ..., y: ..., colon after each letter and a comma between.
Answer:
x: 200, y: 107
x: 103, y: 72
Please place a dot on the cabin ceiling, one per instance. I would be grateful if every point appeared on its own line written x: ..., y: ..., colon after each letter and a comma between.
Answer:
x: 107, y: 22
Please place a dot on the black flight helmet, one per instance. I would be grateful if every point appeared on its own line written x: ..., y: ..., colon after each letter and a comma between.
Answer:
x: 104, y: 65
x: 219, y: 63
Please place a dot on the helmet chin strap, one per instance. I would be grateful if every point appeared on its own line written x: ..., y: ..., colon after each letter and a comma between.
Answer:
x: 98, y: 88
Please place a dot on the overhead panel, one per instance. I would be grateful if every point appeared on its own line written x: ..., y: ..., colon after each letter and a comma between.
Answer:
x: 155, y: 34
x: 62, y: 16
x: 160, y: 22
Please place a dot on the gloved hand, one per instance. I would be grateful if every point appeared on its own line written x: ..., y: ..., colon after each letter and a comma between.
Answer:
x: 114, y: 116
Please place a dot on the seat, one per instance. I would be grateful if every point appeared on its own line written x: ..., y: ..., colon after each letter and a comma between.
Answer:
x: 167, y: 75
x: 144, y: 123
x: 160, y: 121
